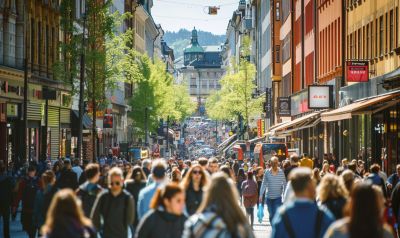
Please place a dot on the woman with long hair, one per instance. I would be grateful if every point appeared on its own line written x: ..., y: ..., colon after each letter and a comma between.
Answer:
x: 166, y: 218
x: 332, y: 194
x: 193, y: 184
x: 365, y: 210
x: 65, y: 218
x: 250, y: 195
x: 219, y: 214
x: 135, y: 181
x: 325, y: 170
x: 259, y: 175
x: 239, y: 180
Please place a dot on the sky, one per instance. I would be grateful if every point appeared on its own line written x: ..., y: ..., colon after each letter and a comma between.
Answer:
x: 176, y: 14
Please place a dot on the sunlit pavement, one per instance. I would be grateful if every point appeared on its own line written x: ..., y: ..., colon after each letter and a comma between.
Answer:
x: 262, y: 230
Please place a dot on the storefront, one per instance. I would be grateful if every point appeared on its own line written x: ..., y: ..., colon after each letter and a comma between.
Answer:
x: 369, y: 129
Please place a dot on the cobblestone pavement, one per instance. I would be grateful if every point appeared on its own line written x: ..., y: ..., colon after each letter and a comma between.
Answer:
x: 262, y: 230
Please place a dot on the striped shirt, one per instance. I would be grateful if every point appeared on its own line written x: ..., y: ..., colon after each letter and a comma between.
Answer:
x: 273, y: 184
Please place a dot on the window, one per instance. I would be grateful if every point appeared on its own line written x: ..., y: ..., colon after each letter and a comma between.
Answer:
x: 32, y: 40
x: 278, y: 53
x: 39, y: 43
x: 381, y: 35
x: 193, y: 83
x: 47, y: 46
x: 376, y: 38
x: 286, y: 48
x: 285, y: 9
x: 278, y: 11
x: 351, y: 46
x: 391, y: 31
x: 359, y: 44
x: 368, y: 42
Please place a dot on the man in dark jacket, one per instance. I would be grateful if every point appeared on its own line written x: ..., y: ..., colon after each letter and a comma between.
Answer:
x: 27, y: 190
x: 396, y: 202
x: 6, y: 189
x: 68, y: 178
x: 114, y: 209
x: 393, y: 179
x: 89, y: 190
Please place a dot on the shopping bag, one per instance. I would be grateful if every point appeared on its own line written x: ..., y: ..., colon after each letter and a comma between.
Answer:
x: 260, y: 212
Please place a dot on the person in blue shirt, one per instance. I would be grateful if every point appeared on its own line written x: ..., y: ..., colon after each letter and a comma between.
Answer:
x: 158, y: 171
x: 301, y: 218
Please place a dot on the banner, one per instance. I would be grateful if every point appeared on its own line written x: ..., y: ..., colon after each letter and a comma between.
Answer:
x: 260, y: 127
x: 357, y: 71
x: 268, y: 103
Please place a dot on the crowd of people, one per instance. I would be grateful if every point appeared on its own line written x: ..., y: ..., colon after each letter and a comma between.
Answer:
x: 200, y: 198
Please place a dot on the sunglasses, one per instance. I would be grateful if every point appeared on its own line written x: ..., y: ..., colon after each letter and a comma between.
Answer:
x: 115, y: 183
x: 196, y: 172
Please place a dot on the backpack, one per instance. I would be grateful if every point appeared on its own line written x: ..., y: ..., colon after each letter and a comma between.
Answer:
x: 87, y: 199
x: 250, y: 189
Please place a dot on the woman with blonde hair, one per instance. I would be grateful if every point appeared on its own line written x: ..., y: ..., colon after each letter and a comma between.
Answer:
x: 219, y: 214
x: 325, y: 170
x: 332, y: 194
x: 193, y: 184
x: 65, y: 218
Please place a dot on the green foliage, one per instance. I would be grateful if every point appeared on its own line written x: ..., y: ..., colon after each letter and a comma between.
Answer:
x: 235, y: 96
x: 155, y: 90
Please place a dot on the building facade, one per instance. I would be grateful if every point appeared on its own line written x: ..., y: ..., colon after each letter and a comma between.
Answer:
x: 31, y: 29
x: 201, y: 71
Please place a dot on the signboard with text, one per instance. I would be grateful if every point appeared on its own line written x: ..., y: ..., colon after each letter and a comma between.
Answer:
x: 283, y: 106
x: 260, y: 127
x: 268, y: 103
x: 357, y: 71
x: 320, y: 96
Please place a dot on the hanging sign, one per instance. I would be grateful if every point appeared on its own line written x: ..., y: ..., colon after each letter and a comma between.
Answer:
x: 357, y: 71
x: 283, y: 106
x: 320, y: 96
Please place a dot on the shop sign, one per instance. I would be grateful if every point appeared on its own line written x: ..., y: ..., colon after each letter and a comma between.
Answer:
x: 357, y: 71
x: 177, y: 135
x: 260, y: 127
x: 320, y: 96
x: 283, y: 106
x: 108, y: 120
x: 299, y: 103
x: 268, y: 102
x: 12, y: 110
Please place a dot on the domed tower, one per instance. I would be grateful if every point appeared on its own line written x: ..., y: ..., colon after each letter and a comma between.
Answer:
x: 194, y: 52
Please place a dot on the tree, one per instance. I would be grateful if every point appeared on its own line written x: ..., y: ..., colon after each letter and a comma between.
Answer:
x: 235, y: 97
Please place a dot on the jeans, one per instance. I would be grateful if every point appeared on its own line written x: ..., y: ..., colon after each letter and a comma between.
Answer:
x: 250, y: 213
x: 273, y: 205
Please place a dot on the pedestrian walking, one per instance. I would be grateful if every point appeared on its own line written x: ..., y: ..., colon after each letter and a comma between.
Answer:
x: 134, y: 183
x: 6, y: 192
x: 259, y: 175
x: 158, y: 171
x: 68, y: 178
x: 43, y: 198
x: 90, y: 189
x: 27, y: 190
x: 393, y: 180
x: 306, y: 162
x: 193, y: 185
x: 165, y: 219
x: 219, y: 214
x: 366, y: 209
x: 114, y: 210
x: 332, y: 194
x: 65, y: 218
x: 301, y: 218
x: 250, y: 196
x: 239, y: 180
x: 375, y: 178
x: 274, y: 182
x: 76, y: 168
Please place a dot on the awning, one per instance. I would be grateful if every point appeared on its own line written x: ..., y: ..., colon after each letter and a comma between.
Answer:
x: 272, y: 128
x: 366, y: 106
x: 299, y: 122
x: 256, y: 140
x: 87, y: 122
x: 226, y: 142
